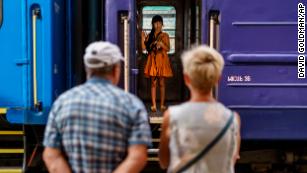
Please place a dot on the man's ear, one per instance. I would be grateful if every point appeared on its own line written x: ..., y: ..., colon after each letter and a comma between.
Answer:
x: 186, y: 79
x: 116, y: 74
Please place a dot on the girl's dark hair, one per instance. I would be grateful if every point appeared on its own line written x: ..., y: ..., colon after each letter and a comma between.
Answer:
x: 156, y: 18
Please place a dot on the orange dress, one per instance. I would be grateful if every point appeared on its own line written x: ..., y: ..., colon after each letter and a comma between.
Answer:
x: 158, y: 63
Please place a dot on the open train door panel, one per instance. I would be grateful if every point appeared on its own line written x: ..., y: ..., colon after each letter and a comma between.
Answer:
x: 120, y: 29
x: 137, y: 14
x: 32, y: 54
x: 172, y: 14
x: 12, y: 42
x: 258, y: 40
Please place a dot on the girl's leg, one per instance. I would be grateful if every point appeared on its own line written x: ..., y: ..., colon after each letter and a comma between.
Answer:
x: 153, y: 93
x: 162, y: 92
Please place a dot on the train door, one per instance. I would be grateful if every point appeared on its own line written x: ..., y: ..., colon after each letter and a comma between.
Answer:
x: 124, y: 21
x: 13, y: 88
x: 259, y: 43
x: 174, y: 88
x: 120, y: 29
x: 181, y: 28
x: 12, y: 50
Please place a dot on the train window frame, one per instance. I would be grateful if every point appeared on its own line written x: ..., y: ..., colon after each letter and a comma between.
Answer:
x: 1, y: 15
x: 171, y: 23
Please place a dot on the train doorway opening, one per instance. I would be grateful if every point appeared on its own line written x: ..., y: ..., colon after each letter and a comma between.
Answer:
x: 181, y: 21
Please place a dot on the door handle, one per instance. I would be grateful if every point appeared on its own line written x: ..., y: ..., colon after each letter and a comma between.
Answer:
x: 36, y: 13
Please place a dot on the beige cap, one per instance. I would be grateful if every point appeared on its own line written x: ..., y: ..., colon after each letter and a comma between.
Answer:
x: 100, y: 54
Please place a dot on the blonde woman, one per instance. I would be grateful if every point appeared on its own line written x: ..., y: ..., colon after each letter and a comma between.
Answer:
x: 188, y: 128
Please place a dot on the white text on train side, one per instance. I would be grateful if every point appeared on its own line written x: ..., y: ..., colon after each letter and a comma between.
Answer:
x: 301, y: 40
x: 239, y: 78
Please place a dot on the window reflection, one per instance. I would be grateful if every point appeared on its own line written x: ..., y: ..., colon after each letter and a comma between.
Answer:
x: 168, y: 14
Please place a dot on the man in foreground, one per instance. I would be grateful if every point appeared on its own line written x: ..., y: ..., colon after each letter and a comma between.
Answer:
x: 97, y: 127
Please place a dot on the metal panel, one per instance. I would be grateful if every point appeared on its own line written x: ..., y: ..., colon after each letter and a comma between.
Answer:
x: 60, y: 62
x: 281, y: 124
x: 265, y: 26
x: 113, y: 9
x: 13, y: 55
x: 259, y: 43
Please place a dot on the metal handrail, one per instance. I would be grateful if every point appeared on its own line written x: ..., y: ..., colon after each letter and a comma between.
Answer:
x: 213, y: 40
x: 126, y: 54
x: 212, y: 31
x: 35, y: 14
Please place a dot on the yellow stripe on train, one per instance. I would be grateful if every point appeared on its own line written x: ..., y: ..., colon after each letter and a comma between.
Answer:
x: 11, y: 132
x: 10, y: 170
x: 11, y: 151
x: 3, y: 110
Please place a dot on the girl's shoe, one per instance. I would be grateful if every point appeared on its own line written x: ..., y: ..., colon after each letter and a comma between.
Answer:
x: 163, y: 108
x: 153, y: 109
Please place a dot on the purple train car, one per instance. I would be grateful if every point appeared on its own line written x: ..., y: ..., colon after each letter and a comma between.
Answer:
x: 258, y: 40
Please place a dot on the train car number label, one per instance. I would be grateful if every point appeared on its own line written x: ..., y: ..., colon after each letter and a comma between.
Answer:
x: 239, y: 78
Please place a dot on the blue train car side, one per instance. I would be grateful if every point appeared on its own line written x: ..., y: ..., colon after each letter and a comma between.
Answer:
x: 33, y: 58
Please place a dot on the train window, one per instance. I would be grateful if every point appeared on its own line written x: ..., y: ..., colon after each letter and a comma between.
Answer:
x: 168, y: 14
x: 0, y: 13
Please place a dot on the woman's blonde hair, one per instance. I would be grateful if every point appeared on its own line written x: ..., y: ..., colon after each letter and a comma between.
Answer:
x: 204, y: 66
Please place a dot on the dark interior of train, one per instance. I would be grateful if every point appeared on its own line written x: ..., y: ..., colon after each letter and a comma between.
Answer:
x: 181, y: 22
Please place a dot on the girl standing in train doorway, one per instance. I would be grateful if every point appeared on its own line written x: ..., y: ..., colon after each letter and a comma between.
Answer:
x: 157, y: 66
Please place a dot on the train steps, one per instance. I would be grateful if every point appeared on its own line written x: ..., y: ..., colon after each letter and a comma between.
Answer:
x: 155, y: 124
x: 11, y: 146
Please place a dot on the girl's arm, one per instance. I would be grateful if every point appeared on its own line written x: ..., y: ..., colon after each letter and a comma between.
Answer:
x: 144, y: 39
x: 164, y: 43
